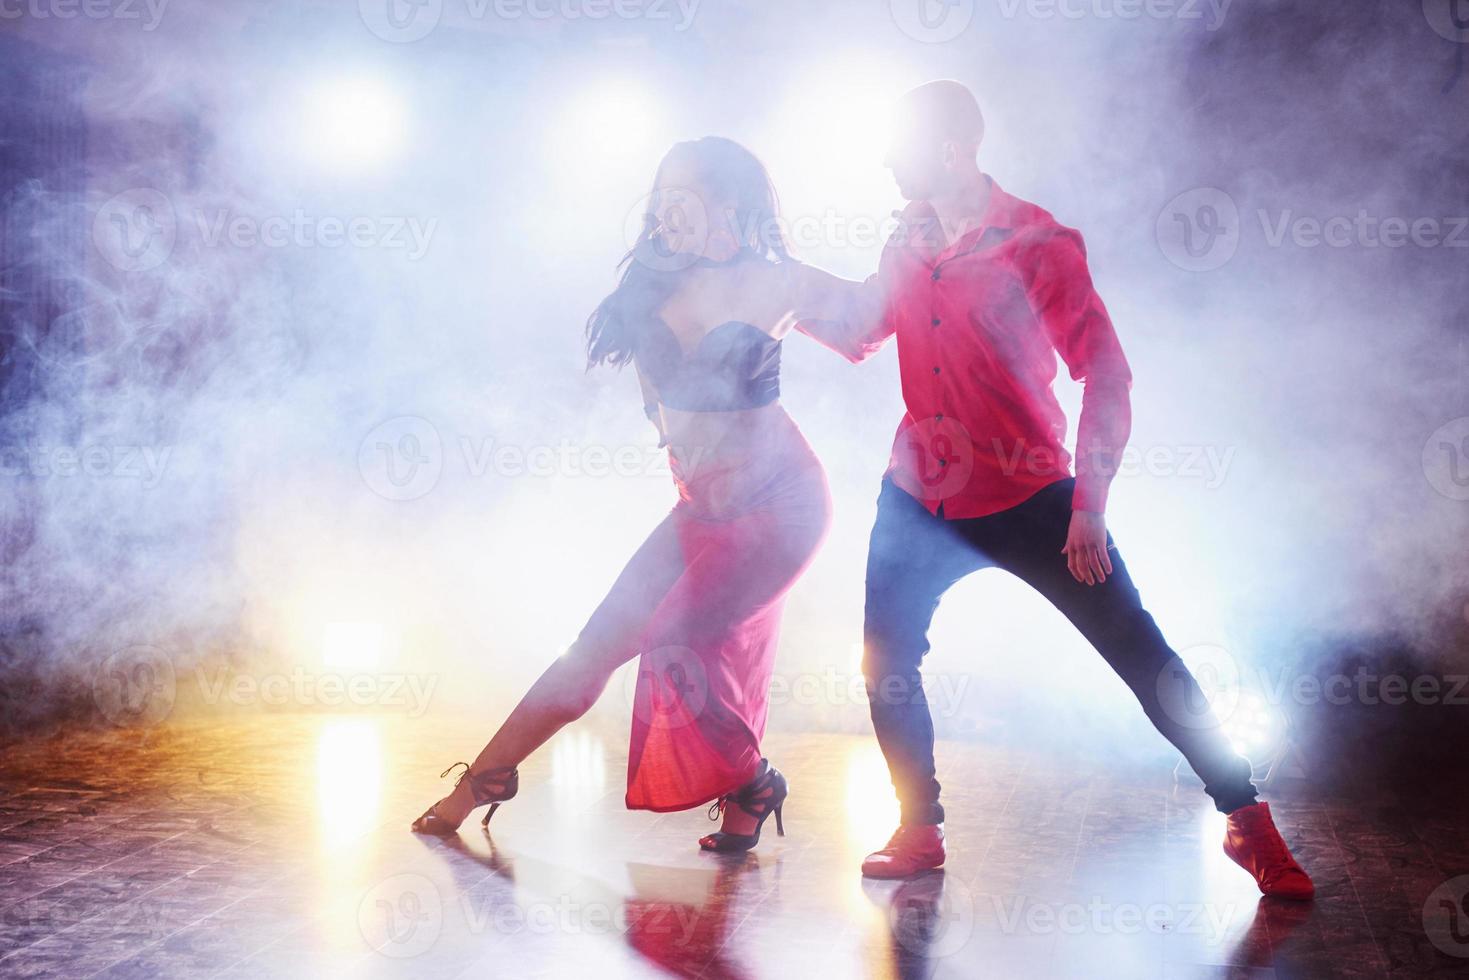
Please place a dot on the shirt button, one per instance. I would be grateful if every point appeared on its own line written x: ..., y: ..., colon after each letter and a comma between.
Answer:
x: 935, y: 321
x: 935, y: 370
x: 935, y: 276
x: 938, y: 418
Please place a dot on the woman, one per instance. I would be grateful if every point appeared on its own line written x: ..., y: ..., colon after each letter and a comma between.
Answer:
x: 706, y: 297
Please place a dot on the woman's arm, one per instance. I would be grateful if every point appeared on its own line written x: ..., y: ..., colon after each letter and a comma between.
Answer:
x: 652, y: 407
x: 845, y: 315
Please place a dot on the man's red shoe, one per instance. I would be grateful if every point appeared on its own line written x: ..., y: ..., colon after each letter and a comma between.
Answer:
x: 1253, y: 843
x: 911, y: 849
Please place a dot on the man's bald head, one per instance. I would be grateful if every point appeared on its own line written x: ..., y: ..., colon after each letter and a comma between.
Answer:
x: 942, y: 110
x: 937, y: 129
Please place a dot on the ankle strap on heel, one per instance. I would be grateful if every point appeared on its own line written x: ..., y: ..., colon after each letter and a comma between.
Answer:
x: 491, y: 786
x: 749, y: 796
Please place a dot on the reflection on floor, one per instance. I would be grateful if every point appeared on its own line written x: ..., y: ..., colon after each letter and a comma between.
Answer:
x: 279, y: 847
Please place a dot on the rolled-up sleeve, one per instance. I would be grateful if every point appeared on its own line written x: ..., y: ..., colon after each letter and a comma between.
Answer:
x: 854, y: 322
x: 1066, y: 304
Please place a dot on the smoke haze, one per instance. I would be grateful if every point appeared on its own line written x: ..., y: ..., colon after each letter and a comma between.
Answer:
x: 293, y: 310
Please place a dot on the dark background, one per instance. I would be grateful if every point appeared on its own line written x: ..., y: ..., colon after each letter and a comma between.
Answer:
x: 1327, y: 369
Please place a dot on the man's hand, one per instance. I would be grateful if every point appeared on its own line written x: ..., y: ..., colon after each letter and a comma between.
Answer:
x: 1086, y: 547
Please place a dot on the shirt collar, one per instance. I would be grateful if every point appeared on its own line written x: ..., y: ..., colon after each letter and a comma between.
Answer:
x: 999, y: 212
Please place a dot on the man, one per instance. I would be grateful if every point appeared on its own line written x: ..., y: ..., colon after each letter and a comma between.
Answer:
x: 983, y: 290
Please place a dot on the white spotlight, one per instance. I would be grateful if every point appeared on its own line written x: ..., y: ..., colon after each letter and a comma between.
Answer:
x: 603, y: 141
x: 614, y: 119
x: 825, y: 147
x: 353, y: 122
x: 1253, y: 726
x: 352, y: 647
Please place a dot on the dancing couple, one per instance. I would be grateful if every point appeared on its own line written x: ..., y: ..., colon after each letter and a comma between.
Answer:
x: 983, y: 291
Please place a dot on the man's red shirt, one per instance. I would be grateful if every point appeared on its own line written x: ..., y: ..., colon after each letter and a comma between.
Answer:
x: 979, y: 323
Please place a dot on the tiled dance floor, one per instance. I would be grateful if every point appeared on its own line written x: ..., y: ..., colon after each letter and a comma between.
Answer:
x: 279, y: 847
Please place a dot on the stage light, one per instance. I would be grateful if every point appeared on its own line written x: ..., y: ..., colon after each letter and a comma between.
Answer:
x: 349, y: 775
x: 872, y: 808
x: 352, y: 648
x: 615, y: 122
x: 615, y: 118
x: 600, y: 147
x: 353, y: 122
x: 578, y: 763
x: 825, y: 148
x: 1254, y: 728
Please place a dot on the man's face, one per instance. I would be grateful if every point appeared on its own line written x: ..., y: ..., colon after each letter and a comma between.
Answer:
x: 918, y: 159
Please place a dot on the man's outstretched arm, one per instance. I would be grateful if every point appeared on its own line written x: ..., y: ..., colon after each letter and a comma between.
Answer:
x: 845, y: 315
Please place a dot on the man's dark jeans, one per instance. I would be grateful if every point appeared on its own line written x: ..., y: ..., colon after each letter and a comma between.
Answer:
x: 915, y: 556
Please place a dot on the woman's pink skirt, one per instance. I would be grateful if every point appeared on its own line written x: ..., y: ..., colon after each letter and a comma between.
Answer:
x: 715, y: 574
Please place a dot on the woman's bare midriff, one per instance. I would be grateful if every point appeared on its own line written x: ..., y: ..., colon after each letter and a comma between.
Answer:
x: 724, y: 461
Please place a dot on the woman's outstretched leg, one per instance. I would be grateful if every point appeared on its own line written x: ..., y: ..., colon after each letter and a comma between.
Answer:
x: 571, y: 685
x: 703, y: 686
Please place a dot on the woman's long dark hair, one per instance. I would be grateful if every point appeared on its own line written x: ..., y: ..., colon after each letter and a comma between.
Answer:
x: 649, y: 275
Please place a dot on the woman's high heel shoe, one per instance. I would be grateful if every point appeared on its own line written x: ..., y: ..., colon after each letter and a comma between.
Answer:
x: 760, y: 797
x: 493, y: 786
